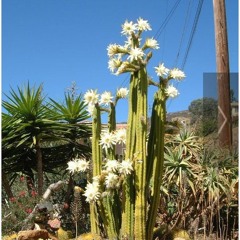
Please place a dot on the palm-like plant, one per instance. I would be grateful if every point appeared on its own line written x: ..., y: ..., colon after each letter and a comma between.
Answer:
x: 72, y: 113
x: 28, y: 124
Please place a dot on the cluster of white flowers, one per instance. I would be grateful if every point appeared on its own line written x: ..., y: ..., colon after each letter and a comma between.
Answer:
x: 78, y: 165
x: 124, y: 167
x: 126, y: 58
x: 114, y: 170
x: 174, y: 73
x: 109, y: 180
x: 91, y: 97
x: 129, y: 28
x: 108, y: 139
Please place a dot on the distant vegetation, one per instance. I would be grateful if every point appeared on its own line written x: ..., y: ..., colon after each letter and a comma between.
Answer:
x: 204, y: 113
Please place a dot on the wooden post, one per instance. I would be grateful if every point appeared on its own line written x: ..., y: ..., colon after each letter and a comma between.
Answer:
x: 223, y: 76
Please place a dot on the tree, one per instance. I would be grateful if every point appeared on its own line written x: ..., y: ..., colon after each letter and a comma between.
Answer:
x: 73, y: 114
x: 27, y: 123
x: 204, y: 114
x: 232, y: 97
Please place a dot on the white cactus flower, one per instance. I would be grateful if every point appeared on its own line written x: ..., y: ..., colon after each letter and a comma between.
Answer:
x: 177, y: 74
x: 92, y: 192
x: 126, y: 167
x: 171, y: 91
x: 161, y: 70
x: 111, y: 181
x: 107, y: 140
x: 128, y: 28
x: 112, y: 165
x: 152, y: 43
x: 135, y: 54
x: 91, y: 97
x: 122, y: 93
x: 106, y: 98
x: 114, y: 63
x: 78, y: 165
x: 143, y: 25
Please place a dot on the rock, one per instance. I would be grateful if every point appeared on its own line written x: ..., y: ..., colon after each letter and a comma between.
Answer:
x: 35, y: 235
x: 55, y: 224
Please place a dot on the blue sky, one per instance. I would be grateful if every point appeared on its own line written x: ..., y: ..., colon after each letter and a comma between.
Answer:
x: 57, y: 42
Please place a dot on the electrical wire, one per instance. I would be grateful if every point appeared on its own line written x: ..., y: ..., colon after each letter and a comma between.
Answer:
x: 183, y: 32
x: 165, y: 22
x: 193, y: 31
x: 199, y: 8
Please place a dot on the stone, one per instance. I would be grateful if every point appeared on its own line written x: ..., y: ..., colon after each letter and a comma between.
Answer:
x: 35, y: 235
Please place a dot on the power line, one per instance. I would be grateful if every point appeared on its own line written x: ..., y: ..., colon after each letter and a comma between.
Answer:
x: 183, y: 32
x: 164, y: 36
x: 165, y: 22
x: 196, y: 18
x: 199, y: 8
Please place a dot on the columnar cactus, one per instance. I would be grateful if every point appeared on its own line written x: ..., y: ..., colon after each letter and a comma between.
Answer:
x: 124, y: 195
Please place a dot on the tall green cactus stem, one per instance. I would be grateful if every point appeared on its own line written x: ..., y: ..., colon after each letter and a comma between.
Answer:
x: 140, y: 163
x: 96, y: 162
x: 111, y: 127
x: 115, y: 201
x: 110, y: 204
x: 108, y: 218
x: 96, y: 148
x: 127, y: 229
x: 94, y: 219
x: 156, y: 153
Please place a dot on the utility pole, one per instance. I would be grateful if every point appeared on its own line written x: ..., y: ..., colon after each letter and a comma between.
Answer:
x: 223, y: 75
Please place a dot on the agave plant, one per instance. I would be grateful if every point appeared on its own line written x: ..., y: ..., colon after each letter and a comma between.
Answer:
x: 179, y: 168
x: 187, y: 140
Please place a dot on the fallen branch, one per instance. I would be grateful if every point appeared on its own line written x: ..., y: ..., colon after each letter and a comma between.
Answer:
x: 54, y: 187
